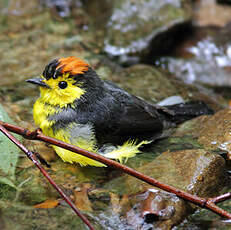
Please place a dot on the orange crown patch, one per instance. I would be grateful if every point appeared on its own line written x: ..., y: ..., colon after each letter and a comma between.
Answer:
x: 72, y: 65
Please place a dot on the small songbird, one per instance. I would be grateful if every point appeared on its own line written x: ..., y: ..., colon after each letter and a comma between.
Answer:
x: 78, y: 107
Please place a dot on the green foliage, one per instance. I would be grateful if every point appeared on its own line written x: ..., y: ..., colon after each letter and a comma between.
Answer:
x: 8, y: 155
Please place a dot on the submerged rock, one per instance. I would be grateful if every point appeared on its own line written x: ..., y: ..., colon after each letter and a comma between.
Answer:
x: 216, y: 132
x: 198, y: 172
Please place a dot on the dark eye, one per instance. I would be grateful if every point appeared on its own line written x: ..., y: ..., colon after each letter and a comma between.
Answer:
x: 62, y: 84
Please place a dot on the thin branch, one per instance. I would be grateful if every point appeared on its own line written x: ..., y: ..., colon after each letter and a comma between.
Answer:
x: 200, y: 201
x: 33, y: 158
x: 221, y: 198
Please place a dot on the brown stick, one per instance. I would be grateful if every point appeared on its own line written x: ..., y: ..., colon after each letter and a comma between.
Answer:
x: 202, y: 202
x: 220, y: 198
x: 33, y: 158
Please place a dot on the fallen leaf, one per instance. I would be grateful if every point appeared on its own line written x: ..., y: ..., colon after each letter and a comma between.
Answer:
x: 8, y: 153
x: 47, y: 204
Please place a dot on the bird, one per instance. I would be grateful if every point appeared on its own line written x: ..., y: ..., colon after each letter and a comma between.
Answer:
x: 78, y: 107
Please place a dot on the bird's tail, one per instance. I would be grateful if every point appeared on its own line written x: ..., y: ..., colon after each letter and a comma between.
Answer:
x: 179, y: 113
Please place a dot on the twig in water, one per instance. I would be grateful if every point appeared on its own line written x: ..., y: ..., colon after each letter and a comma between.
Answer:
x: 208, y: 203
x: 33, y: 158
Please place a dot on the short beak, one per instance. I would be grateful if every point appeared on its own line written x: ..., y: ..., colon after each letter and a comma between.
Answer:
x: 37, y: 81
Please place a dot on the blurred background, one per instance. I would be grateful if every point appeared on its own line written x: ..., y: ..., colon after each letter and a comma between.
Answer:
x: 190, y: 39
x: 152, y: 48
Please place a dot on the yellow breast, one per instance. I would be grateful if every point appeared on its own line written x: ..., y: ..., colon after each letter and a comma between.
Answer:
x: 41, y: 111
